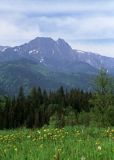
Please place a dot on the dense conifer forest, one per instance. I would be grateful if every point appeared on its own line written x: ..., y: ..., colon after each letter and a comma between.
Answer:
x: 36, y: 109
x: 60, y: 107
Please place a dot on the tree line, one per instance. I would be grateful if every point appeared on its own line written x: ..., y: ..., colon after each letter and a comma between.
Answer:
x: 36, y: 109
x: 60, y: 107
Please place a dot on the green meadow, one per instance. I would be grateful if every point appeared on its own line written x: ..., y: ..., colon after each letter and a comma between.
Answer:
x: 69, y: 143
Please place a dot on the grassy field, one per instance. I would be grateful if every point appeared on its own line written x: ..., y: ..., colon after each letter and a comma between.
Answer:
x: 70, y: 143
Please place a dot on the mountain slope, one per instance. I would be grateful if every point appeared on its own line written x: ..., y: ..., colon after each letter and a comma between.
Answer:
x: 24, y: 73
x: 55, y: 55
x: 28, y: 74
x: 49, y: 64
x: 95, y: 60
x: 3, y: 48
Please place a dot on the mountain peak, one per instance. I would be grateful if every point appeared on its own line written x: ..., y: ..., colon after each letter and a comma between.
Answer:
x: 54, y: 54
x: 42, y: 39
x: 62, y: 41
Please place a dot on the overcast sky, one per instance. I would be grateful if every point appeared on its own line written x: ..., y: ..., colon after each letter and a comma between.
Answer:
x: 85, y: 24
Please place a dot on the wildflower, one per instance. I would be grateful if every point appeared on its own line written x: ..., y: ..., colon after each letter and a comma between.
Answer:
x: 83, y: 158
x: 99, y: 148
x: 59, y: 149
x: 97, y: 143
x: 15, y: 149
x: 38, y: 132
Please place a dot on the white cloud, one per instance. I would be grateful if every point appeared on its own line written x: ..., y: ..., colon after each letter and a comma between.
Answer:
x: 12, y: 34
x: 73, y: 27
x: 106, y: 49
x: 47, y: 6
x: 21, y: 21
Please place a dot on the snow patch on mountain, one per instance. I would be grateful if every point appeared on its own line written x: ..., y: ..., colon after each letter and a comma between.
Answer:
x: 79, y: 51
x: 41, y: 60
x: 33, y: 51
x: 3, y: 49
x: 16, y: 50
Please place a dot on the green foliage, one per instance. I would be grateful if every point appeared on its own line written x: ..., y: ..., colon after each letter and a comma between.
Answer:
x: 2, y: 103
x: 60, y: 108
x: 110, y: 115
x: 71, y: 117
x: 40, y: 108
x: 103, y: 83
x: 84, y: 118
x: 102, y: 99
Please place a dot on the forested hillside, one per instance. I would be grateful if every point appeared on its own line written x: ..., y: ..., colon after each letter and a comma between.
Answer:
x: 61, y: 107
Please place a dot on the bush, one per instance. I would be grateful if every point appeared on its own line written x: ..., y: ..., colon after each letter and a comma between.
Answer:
x: 84, y: 118
x: 110, y: 116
